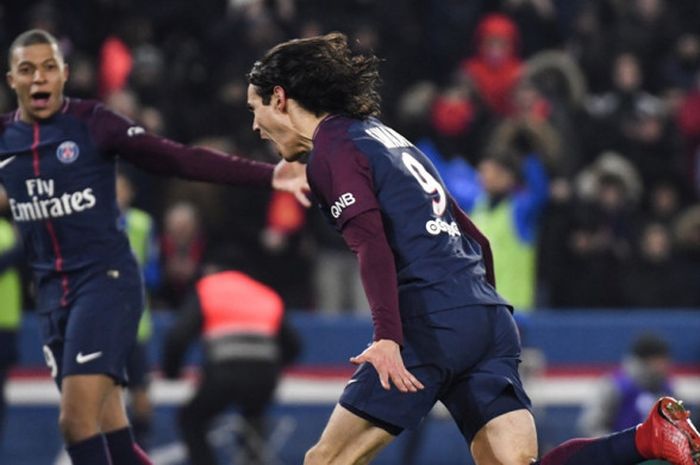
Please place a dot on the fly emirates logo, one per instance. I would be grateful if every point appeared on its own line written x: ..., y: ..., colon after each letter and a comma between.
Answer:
x: 44, y: 204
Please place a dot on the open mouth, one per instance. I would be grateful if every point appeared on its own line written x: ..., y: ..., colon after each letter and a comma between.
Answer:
x: 41, y: 99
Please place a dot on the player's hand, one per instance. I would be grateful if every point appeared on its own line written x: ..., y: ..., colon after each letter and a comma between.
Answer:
x: 291, y: 177
x: 385, y: 357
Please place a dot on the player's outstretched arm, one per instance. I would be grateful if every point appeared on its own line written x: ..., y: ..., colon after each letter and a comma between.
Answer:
x: 119, y: 136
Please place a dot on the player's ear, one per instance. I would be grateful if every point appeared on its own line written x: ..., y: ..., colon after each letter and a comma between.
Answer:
x: 10, y: 80
x: 279, y: 98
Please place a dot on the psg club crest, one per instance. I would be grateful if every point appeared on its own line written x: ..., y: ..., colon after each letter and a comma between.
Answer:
x: 67, y: 152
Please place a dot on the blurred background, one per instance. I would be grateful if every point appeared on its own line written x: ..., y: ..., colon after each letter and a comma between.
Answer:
x: 568, y: 129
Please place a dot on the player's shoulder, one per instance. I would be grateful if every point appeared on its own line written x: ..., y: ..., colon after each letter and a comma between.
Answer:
x: 6, y: 119
x: 337, y: 138
x: 331, y: 132
x: 82, y: 109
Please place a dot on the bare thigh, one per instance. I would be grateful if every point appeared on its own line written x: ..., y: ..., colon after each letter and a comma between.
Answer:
x: 508, y: 439
x: 114, y: 411
x: 347, y: 440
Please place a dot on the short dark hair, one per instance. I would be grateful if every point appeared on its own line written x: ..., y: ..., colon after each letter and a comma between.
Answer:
x: 31, y: 37
x: 323, y: 74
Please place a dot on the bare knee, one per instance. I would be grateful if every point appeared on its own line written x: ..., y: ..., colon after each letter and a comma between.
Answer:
x: 509, y: 439
x: 323, y: 454
x: 516, y: 457
x: 74, y: 427
x: 318, y: 455
x: 505, y: 457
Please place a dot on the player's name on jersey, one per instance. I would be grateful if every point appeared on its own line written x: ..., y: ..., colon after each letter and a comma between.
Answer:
x: 387, y: 136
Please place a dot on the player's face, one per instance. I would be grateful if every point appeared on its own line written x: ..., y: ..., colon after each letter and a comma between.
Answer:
x: 273, y: 122
x: 37, y: 75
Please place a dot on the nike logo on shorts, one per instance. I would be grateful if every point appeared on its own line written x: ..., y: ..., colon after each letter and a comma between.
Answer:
x: 7, y: 161
x: 80, y: 358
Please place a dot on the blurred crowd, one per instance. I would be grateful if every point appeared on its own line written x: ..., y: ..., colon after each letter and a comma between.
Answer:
x: 568, y: 129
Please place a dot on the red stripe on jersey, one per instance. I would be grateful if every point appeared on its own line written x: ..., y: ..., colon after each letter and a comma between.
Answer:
x: 35, y: 150
x: 59, y: 262
x: 49, y: 226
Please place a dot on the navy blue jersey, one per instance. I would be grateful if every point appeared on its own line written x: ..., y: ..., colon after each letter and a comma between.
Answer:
x: 358, y: 166
x: 61, y: 188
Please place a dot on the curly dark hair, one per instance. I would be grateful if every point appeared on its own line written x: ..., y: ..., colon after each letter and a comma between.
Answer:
x: 323, y: 74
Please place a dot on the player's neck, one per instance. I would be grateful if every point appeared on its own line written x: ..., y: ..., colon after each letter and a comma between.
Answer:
x: 305, y: 122
x: 25, y: 116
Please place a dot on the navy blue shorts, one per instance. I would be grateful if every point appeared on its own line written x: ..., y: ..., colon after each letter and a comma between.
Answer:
x: 96, y: 331
x: 465, y: 357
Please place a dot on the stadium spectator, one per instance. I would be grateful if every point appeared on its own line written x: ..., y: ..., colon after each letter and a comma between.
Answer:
x: 247, y: 342
x: 665, y: 200
x: 588, y: 42
x: 537, y: 22
x: 495, y: 67
x: 554, y: 89
x: 508, y: 212
x: 647, y: 29
x: 624, y: 397
x: 686, y: 232
x: 592, y: 236
x: 459, y: 121
x: 430, y: 283
x: 505, y: 198
x: 522, y: 195
x: 182, y: 249
x: 635, y: 123
x: 653, y: 277
x: 682, y: 62
x: 528, y: 129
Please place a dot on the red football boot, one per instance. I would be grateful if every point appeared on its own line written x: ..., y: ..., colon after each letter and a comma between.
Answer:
x: 668, y: 434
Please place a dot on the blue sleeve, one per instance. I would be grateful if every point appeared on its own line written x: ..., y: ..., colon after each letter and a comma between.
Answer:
x: 531, y: 200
